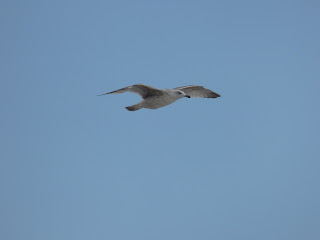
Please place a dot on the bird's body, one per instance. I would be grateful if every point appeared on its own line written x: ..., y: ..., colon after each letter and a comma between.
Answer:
x: 155, y: 102
x: 154, y: 98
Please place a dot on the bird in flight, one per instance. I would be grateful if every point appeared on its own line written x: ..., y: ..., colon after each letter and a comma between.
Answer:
x: 154, y: 98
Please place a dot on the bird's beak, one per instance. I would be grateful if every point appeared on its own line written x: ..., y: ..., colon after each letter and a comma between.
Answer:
x: 188, y: 96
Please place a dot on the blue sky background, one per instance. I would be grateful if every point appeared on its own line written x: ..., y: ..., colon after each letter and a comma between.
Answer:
x: 77, y: 166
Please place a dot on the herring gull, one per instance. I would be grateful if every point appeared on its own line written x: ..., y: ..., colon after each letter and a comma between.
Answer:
x: 154, y: 98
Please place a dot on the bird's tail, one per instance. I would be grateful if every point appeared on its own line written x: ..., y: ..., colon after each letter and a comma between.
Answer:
x: 134, y: 107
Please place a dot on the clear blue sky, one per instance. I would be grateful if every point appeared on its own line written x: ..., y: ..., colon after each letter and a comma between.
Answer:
x: 77, y: 166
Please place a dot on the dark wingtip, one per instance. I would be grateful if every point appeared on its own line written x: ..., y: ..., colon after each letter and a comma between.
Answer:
x: 216, y: 95
x: 102, y: 94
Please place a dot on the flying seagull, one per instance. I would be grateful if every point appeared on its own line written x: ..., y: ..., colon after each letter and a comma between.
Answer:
x: 154, y: 98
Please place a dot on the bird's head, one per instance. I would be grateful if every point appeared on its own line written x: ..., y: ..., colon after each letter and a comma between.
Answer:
x: 180, y: 94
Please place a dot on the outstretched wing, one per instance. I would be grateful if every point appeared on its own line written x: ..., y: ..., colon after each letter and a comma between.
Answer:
x: 143, y: 90
x: 198, y: 91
